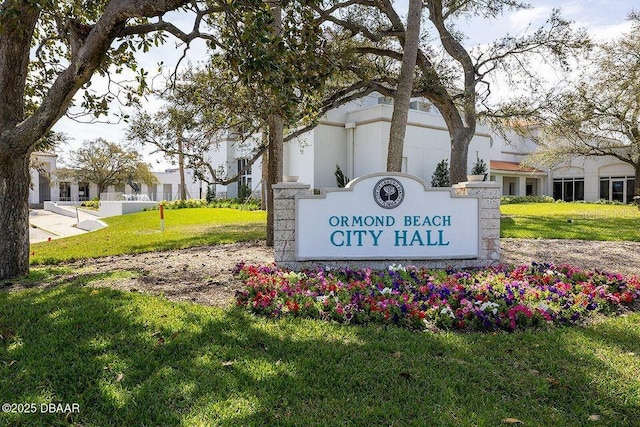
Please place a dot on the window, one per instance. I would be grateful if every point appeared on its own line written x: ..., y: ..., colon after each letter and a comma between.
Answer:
x: 83, y: 191
x: 618, y: 189
x: 578, y: 189
x: 167, y: 192
x: 557, y: 190
x: 244, y: 179
x: 568, y: 189
x: 604, y: 189
x: 65, y: 192
x: 631, y: 183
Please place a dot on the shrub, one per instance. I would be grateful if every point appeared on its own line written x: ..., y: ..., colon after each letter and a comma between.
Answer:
x: 91, y: 204
x: 211, y: 194
x: 244, y: 192
x: 440, y: 177
x: 510, y: 200
x: 341, y: 179
x: 243, y: 205
x: 479, y: 167
x: 250, y: 204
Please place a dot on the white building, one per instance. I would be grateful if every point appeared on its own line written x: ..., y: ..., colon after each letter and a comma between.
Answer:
x: 47, y: 186
x: 355, y: 137
x: 584, y: 178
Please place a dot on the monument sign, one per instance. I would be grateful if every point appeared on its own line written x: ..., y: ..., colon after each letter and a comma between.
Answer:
x: 387, y: 216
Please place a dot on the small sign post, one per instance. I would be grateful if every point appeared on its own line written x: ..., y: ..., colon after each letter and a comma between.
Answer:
x: 161, y: 218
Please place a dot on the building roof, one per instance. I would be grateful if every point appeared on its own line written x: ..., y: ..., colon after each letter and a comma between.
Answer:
x: 45, y: 153
x: 500, y: 165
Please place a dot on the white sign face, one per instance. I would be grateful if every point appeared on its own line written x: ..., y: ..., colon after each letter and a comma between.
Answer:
x: 386, y: 216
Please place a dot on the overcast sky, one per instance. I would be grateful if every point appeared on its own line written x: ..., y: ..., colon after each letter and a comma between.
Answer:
x: 603, y: 19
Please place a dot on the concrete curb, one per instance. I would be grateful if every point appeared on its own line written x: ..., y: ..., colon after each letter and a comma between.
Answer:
x: 45, y: 230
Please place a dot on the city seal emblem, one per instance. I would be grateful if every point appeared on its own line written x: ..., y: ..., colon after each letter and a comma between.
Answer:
x: 388, y: 193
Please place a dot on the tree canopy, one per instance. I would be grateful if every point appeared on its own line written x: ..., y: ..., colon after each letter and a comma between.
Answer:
x: 49, y: 50
x: 455, y: 79
x: 107, y: 164
x: 598, y: 113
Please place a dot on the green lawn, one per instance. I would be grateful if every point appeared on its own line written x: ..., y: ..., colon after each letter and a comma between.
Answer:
x: 570, y: 221
x: 129, y: 359
x: 140, y: 232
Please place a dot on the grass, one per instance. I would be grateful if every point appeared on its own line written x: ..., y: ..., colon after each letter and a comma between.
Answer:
x: 570, y: 221
x: 130, y: 359
x: 140, y: 232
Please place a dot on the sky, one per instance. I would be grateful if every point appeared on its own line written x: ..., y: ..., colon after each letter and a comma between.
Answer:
x: 603, y: 19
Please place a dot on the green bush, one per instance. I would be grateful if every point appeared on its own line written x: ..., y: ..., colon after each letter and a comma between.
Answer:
x: 511, y: 200
x: 246, y: 205
x: 604, y: 202
x: 250, y: 204
x: 440, y: 177
x: 91, y: 204
x: 211, y: 194
x: 341, y: 179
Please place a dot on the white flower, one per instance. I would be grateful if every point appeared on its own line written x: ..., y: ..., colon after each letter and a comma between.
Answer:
x: 491, y: 305
x: 397, y: 267
x: 447, y: 311
x: 386, y: 291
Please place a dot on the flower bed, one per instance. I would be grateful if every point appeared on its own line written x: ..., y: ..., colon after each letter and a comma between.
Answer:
x: 483, y: 300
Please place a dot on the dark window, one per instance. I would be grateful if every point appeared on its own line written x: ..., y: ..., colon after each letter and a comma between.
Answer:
x: 578, y: 192
x: 631, y: 183
x: 604, y: 189
x: 557, y: 190
x: 617, y: 190
x: 65, y: 192
x: 83, y: 191
x: 568, y: 189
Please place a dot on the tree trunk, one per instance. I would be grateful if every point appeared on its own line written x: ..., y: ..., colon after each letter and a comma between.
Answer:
x: 14, y: 214
x: 636, y: 187
x: 276, y: 136
x: 276, y: 130
x: 459, y: 153
x: 405, y: 87
x: 183, y: 187
x: 265, y: 172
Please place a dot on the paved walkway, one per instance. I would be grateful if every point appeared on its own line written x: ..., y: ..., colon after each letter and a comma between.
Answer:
x: 47, y: 225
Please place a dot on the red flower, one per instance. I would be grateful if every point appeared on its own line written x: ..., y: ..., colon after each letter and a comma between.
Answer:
x: 626, y: 297
x: 293, y: 306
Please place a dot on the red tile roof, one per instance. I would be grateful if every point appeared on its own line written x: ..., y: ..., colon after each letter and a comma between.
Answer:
x: 511, y: 167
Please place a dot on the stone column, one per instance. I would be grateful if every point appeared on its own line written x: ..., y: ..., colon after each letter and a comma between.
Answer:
x: 489, y: 193
x: 284, y: 217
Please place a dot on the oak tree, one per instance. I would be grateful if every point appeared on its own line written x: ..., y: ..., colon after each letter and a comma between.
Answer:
x: 107, y: 164
x: 49, y: 50
x: 598, y: 113
x: 456, y: 79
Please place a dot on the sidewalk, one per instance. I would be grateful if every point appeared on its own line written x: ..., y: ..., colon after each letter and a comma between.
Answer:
x: 45, y: 225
